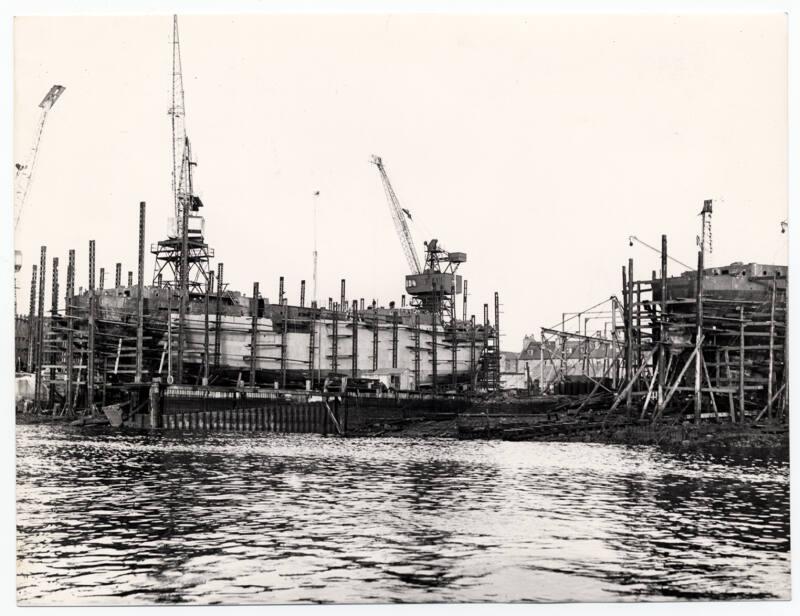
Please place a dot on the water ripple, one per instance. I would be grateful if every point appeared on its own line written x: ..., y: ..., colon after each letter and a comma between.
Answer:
x: 124, y: 518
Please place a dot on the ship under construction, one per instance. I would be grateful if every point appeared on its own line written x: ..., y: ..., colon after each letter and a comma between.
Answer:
x: 188, y: 327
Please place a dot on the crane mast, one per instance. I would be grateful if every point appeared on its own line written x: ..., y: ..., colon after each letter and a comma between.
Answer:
x: 181, y: 172
x: 184, y: 256
x: 400, y: 225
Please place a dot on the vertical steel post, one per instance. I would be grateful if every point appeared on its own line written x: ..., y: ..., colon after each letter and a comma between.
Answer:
x: 53, y: 316
x: 218, y: 315
x: 312, y: 341
x: 102, y: 283
x: 497, y: 338
x: 284, y: 341
x: 31, y: 319
x: 253, y: 334
x: 280, y: 291
x: 206, y: 325
x: 416, y: 351
x: 434, y: 354
x: 355, y: 339
x: 68, y: 312
x: 374, y: 340
x: 40, y: 331
x: 140, y: 298
x: 394, y: 339
x: 302, y: 293
x: 130, y: 279
x: 118, y: 275
x: 343, y: 302
x: 472, y: 351
x: 91, y: 265
x: 465, y: 300
x: 335, y: 342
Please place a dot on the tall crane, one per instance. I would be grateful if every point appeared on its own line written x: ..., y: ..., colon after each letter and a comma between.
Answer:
x: 434, y: 286
x: 184, y: 256
x: 24, y: 170
x: 399, y: 219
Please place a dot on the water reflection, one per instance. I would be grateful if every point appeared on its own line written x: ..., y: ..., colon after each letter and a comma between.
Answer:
x: 136, y: 518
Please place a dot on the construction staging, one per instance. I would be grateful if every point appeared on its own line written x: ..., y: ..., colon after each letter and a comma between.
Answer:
x: 180, y: 349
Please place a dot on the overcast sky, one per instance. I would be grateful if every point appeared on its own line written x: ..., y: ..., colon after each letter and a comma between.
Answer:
x: 535, y: 144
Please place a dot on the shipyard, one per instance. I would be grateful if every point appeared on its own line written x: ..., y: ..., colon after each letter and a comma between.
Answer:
x: 684, y: 358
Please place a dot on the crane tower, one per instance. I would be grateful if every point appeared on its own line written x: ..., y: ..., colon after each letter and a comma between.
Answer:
x: 434, y: 286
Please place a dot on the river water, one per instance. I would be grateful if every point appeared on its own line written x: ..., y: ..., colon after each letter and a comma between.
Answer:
x: 130, y: 518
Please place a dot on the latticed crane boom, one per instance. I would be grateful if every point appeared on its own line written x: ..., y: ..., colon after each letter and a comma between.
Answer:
x: 24, y: 172
x: 398, y: 217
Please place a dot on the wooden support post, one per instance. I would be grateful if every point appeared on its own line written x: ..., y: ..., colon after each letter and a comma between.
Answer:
x: 354, y: 358
x: 614, y: 350
x: 253, y: 334
x: 629, y: 330
x: 140, y: 298
x: 741, y: 364
x: 662, y: 338
x: 682, y: 372
x: 638, y: 323
x: 771, y: 373
x: 698, y: 398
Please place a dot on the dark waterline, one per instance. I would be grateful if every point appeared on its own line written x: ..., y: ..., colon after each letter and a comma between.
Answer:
x: 122, y: 518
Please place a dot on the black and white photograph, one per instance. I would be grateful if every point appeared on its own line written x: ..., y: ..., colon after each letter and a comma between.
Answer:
x: 379, y: 306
